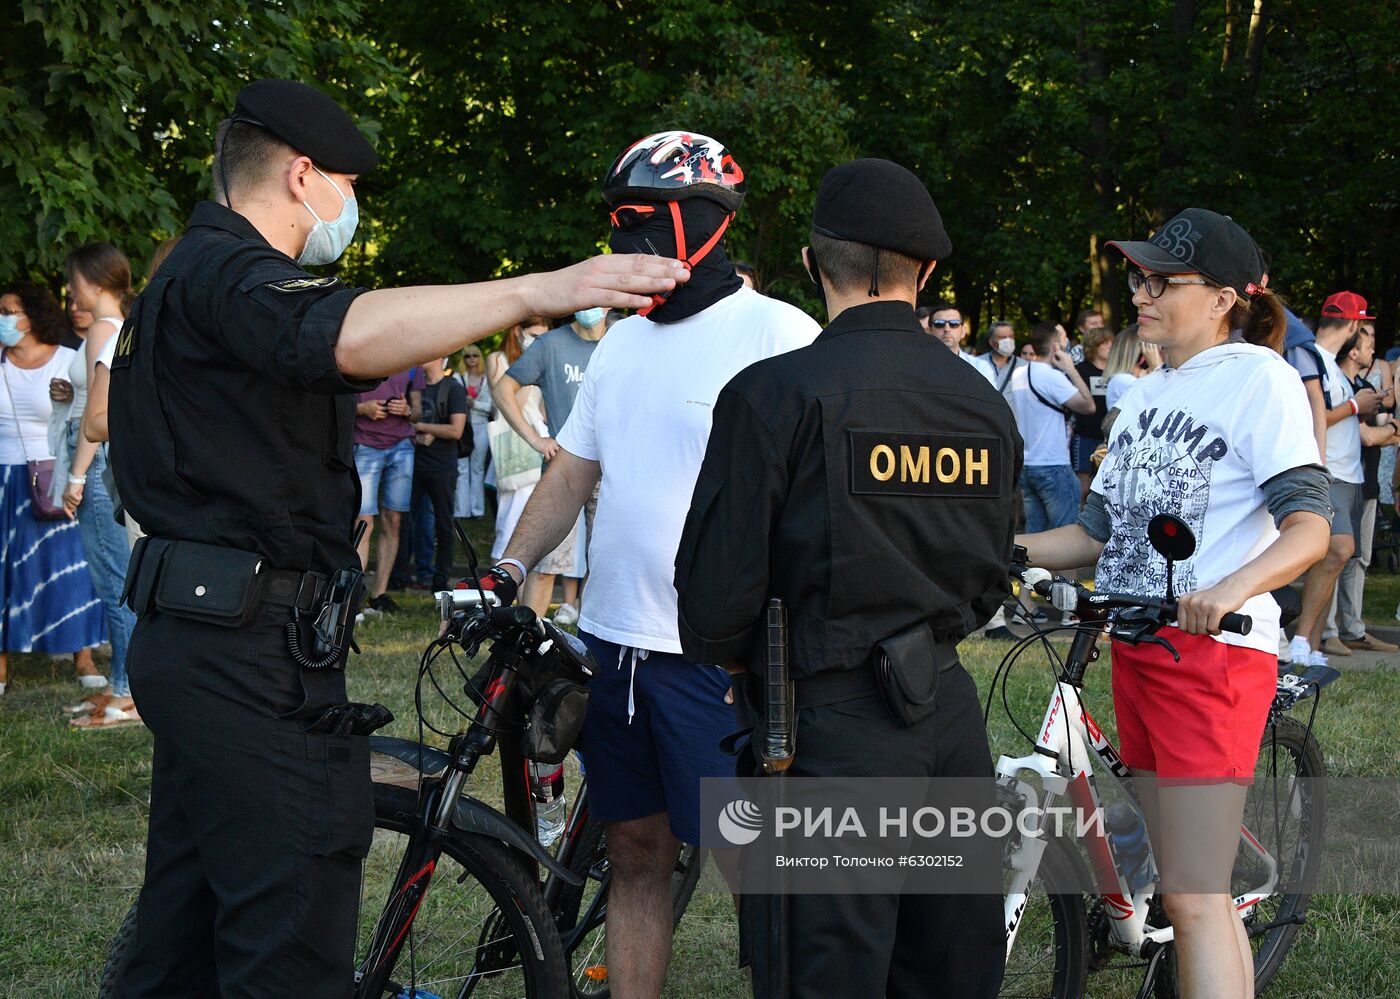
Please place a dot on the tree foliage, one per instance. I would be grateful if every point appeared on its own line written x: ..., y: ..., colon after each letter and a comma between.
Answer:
x: 1043, y: 130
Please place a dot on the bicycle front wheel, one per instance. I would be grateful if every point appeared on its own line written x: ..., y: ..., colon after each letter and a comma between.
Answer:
x: 1050, y: 956
x: 1287, y: 809
x: 481, y: 930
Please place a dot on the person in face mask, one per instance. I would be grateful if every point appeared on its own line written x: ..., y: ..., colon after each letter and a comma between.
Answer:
x: 556, y: 363
x: 232, y: 409
x: 38, y: 555
x: 640, y: 426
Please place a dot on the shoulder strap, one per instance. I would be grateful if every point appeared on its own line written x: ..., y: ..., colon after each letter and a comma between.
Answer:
x: 1006, y: 377
x: 1043, y: 401
x: 19, y: 427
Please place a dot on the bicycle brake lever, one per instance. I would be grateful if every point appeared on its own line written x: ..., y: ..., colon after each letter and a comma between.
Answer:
x: 1158, y: 640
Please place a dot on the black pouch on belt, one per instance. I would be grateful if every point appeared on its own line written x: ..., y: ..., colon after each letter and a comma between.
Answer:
x: 209, y: 583
x: 906, y: 672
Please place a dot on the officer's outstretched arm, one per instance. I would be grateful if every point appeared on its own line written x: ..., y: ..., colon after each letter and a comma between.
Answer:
x: 393, y: 329
x: 553, y: 508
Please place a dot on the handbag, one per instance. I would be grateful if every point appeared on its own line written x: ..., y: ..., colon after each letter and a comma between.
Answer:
x: 517, y: 463
x: 39, y: 473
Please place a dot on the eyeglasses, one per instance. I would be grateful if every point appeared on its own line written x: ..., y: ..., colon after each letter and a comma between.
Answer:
x: 1156, y: 284
x: 938, y: 324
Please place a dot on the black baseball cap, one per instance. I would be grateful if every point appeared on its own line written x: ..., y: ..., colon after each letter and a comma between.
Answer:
x: 309, y: 122
x: 1200, y: 241
x: 880, y: 203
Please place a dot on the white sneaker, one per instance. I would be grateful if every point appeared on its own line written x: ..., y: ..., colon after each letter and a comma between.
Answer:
x: 566, y: 616
x: 1299, y: 651
x: 1317, y: 659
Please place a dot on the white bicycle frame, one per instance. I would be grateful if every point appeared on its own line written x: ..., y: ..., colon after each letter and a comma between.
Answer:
x: 1064, y: 765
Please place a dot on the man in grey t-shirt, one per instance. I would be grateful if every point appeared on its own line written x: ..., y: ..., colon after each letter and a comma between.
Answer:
x: 555, y: 362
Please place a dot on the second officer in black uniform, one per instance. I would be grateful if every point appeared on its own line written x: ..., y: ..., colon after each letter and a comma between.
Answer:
x: 868, y: 481
x: 232, y: 411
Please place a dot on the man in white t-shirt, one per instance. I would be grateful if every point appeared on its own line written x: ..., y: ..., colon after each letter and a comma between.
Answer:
x: 1042, y: 393
x: 641, y: 424
x: 1342, y: 315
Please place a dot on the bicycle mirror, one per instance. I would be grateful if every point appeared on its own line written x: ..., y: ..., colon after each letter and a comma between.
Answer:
x: 1171, y: 537
x: 472, y: 564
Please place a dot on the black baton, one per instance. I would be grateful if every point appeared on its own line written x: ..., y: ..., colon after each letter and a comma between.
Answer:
x: 776, y: 755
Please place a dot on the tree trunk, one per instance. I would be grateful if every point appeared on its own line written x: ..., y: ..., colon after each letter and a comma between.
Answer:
x: 1227, y: 52
x: 1105, y: 273
x: 1254, y: 63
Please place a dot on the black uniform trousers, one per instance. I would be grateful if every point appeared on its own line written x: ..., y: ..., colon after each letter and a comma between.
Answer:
x: 901, y: 946
x: 257, y: 827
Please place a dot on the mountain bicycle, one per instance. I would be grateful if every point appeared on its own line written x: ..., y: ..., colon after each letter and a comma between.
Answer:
x: 1058, y: 931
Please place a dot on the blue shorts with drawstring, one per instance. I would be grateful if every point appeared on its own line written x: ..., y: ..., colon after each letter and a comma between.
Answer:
x: 654, y: 725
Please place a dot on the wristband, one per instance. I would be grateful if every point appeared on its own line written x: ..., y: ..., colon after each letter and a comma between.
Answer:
x: 517, y: 563
x: 1355, y: 409
x: 77, y: 480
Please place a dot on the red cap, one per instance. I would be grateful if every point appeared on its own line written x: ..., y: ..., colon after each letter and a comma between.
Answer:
x: 1345, y: 305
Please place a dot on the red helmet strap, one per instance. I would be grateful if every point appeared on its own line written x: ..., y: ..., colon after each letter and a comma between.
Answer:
x: 689, y: 261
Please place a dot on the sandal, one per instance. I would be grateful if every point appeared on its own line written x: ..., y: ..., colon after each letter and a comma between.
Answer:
x: 94, y: 703
x: 108, y: 717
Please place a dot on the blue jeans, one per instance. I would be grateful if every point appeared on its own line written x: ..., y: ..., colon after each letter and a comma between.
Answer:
x: 388, y: 469
x: 107, y: 552
x: 1051, y: 497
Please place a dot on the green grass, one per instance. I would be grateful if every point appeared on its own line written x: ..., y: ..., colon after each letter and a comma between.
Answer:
x: 72, y: 811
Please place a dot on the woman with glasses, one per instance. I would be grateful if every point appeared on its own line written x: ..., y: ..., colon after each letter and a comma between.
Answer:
x: 1222, y: 438
x: 471, y: 471
x: 47, y: 603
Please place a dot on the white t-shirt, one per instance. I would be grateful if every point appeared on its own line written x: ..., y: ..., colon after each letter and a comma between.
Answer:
x: 1344, y: 436
x: 1118, y: 387
x: 1043, y: 429
x: 644, y: 413
x: 30, y: 389
x: 1198, y: 442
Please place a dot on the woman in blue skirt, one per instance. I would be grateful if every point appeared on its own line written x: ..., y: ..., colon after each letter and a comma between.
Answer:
x: 47, y: 602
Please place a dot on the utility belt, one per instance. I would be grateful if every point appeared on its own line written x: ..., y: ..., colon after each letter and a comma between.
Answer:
x: 228, y: 586
x: 903, y: 669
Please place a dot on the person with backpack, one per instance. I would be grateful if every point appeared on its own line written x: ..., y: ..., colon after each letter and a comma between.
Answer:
x: 1042, y: 394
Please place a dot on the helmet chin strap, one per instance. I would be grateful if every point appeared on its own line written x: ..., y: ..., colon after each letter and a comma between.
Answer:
x: 693, y: 259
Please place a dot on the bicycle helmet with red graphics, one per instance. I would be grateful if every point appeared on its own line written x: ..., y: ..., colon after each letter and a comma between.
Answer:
x: 674, y: 166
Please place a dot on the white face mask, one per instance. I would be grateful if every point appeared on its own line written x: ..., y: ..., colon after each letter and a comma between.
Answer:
x: 328, y: 240
x: 1005, y: 346
x: 526, y: 339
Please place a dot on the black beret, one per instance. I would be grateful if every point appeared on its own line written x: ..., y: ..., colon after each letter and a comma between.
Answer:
x: 880, y: 203
x: 309, y: 122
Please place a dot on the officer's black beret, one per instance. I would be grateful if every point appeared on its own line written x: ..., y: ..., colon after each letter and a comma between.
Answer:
x: 880, y: 203
x: 309, y: 122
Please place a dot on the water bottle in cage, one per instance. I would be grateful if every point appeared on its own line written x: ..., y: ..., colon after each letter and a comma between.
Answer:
x: 551, y: 807
x: 1129, y: 837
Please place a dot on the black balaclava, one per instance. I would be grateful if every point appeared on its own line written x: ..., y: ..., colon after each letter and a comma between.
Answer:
x: 650, y: 227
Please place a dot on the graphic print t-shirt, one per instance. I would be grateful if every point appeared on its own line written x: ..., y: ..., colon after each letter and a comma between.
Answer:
x: 556, y: 363
x: 1198, y: 442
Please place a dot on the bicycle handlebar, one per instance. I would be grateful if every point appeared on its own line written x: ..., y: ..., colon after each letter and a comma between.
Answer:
x: 1068, y: 595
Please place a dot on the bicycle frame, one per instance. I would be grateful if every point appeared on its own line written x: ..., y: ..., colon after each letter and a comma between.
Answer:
x: 1063, y: 757
x: 443, y: 806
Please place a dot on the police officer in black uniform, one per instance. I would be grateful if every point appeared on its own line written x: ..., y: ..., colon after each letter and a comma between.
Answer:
x: 233, y: 403
x: 868, y: 481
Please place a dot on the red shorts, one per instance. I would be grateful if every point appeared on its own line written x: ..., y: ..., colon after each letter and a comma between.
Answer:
x: 1198, y: 721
